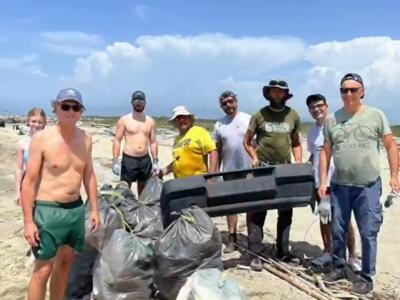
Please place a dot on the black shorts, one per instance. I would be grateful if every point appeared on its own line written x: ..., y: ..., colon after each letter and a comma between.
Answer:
x: 135, y: 168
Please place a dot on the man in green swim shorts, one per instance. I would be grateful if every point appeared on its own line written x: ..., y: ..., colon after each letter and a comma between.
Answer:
x: 60, y: 159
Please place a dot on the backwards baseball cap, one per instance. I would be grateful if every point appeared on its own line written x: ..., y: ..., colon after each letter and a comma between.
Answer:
x: 276, y: 83
x: 315, y: 97
x: 227, y: 94
x: 69, y: 94
x: 138, y: 95
x: 352, y: 76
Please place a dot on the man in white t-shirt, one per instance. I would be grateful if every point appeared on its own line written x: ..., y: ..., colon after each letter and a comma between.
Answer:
x: 228, y: 133
x: 318, y: 109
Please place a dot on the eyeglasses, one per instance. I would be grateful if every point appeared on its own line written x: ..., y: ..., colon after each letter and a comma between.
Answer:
x: 67, y: 107
x: 227, y: 101
x: 351, y: 90
x: 317, y: 106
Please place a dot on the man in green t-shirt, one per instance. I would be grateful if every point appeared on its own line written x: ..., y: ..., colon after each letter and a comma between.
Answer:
x: 276, y: 128
x: 352, y: 136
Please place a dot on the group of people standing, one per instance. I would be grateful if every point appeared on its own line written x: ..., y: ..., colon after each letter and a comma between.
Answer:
x: 344, y: 150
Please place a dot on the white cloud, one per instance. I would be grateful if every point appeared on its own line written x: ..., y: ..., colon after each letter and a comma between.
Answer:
x: 377, y: 59
x: 190, y: 69
x: 194, y: 70
x: 74, y: 43
x: 25, y: 64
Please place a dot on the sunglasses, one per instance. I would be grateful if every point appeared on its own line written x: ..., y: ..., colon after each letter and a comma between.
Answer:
x: 227, y: 101
x: 351, y: 90
x: 68, y: 107
x: 278, y: 82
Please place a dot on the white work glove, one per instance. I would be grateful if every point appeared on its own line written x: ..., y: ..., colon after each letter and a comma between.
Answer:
x: 156, y: 168
x: 116, y: 167
x: 324, y: 210
x: 389, y: 199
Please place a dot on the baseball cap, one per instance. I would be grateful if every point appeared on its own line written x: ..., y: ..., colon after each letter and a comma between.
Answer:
x: 352, y: 76
x: 69, y: 94
x: 138, y: 95
x: 315, y: 97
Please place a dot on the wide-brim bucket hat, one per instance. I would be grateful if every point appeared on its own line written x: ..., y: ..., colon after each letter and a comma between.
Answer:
x: 276, y: 83
x: 180, y: 110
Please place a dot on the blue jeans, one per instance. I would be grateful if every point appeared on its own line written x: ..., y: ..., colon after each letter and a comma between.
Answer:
x: 364, y: 202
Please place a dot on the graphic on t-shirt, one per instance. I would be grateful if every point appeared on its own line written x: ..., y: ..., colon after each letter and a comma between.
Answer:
x: 277, y: 127
x: 352, y: 136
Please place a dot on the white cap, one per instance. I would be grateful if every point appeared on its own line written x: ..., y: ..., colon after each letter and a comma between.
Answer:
x: 180, y: 111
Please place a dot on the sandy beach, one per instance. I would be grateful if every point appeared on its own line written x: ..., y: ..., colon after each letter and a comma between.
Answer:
x: 15, y: 267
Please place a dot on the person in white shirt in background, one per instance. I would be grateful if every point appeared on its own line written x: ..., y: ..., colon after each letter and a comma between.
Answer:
x: 228, y: 134
x: 318, y: 108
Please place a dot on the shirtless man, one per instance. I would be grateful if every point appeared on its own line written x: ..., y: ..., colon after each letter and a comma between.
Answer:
x: 139, y: 131
x: 54, y: 218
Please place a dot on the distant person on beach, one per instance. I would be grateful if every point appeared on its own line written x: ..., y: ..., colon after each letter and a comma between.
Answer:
x: 276, y: 128
x: 139, y: 133
x: 192, y: 149
x: 352, y: 137
x: 60, y: 159
x: 36, y: 120
x: 318, y: 108
x: 229, y: 133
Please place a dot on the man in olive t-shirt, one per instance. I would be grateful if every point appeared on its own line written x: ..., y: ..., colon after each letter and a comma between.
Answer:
x: 276, y: 128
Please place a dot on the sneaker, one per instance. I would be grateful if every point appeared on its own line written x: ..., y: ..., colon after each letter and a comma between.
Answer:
x: 362, y: 286
x: 323, y: 260
x: 335, y: 275
x: 230, y: 247
x: 290, y: 258
x: 355, y: 264
x: 256, y: 264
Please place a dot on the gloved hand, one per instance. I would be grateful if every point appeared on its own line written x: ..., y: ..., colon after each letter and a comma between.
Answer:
x: 156, y: 168
x: 116, y: 167
x: 389, y: 199
x: 324, y: 210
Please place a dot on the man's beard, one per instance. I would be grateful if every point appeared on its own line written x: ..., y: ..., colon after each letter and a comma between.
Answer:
x: 277, y: 105
x: 138, y: 109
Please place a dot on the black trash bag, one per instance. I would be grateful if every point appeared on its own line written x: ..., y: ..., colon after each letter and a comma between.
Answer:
x: 125, y: 268
x: 145, y: 221
x: 190, y: 243
x: 118, y: 195
x: 80, y: 277
x: 110, y: 220
x: 152, y: 191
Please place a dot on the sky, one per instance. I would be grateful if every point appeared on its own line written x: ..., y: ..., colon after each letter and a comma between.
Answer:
x: 188, y: 52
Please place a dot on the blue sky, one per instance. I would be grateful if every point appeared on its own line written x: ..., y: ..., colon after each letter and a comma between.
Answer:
x: 188, y: 52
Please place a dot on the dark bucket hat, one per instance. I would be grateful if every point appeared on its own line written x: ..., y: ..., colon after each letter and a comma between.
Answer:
x: 276, y: 83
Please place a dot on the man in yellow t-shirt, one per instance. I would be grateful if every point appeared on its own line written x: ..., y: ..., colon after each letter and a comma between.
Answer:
x: 192, y: 147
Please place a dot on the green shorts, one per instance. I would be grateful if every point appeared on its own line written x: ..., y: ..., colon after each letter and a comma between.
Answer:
x: 58, y: 224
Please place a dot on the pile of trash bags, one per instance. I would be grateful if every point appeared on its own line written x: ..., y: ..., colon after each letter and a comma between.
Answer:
x: 190, y: 243
x: 132, y: 257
